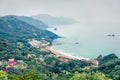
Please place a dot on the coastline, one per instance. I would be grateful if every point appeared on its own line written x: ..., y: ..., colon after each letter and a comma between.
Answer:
x: 65, y: 55
x: 68, y: 56
x: 45, y: 47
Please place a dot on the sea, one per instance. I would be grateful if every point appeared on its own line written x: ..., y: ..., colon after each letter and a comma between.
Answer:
x: 88, y: 41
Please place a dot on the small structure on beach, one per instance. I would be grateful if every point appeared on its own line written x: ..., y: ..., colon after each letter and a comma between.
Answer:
x: 38, y: 44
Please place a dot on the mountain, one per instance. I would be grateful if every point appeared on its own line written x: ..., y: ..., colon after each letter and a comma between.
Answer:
x: 15, y: 35
x: 53, y: 20
x: 34, y: 22
x: 13, y: 28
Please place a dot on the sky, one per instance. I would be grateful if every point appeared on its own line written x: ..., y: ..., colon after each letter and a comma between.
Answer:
x: 86, y: 9
x: 88, y: 12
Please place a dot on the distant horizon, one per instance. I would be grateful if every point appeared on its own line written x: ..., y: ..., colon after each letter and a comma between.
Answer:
x: 33, y: 15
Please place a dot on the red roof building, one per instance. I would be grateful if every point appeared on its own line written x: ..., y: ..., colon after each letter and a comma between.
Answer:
x: 11, y: 62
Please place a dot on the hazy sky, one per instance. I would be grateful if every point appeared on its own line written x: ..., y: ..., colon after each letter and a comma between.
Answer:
x: 97, y: 11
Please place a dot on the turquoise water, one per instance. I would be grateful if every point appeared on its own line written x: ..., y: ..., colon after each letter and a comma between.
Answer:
x: 87, y: 41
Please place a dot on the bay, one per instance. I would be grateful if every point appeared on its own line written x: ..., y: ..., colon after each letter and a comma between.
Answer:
x: 87, y: 41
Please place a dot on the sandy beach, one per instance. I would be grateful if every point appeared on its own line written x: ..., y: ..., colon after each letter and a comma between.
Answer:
x: 68, y: 56
x: 62, y: 54
x: 57, y: 53
x: 44, y: 47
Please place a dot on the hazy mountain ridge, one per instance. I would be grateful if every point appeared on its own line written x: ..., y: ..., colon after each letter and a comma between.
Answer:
x: 34, y: 22
x: 13, y: 28
x: 53, y: 20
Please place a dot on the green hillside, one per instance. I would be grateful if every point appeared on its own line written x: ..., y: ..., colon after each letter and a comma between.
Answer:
x: 11, y: 27
x: 30, y: 63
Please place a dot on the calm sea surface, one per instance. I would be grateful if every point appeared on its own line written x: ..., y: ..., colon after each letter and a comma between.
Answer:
x: 87, y: 41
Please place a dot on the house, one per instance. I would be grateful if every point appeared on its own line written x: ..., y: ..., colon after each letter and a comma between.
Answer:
x: 11, y: 62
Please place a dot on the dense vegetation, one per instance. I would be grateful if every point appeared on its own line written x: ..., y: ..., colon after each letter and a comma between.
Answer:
x: 110, y: 65
x: 52, y: 68
x: 14, y: 37
x: 15, y: 29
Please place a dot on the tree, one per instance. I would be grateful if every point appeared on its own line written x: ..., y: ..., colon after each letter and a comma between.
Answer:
x: 3, y: 75
x: 89, y: 76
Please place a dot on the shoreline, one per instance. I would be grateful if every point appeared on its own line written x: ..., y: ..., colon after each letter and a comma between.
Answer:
x: 68, y: 56
x: 45, y: 47
x: 65, y: 55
